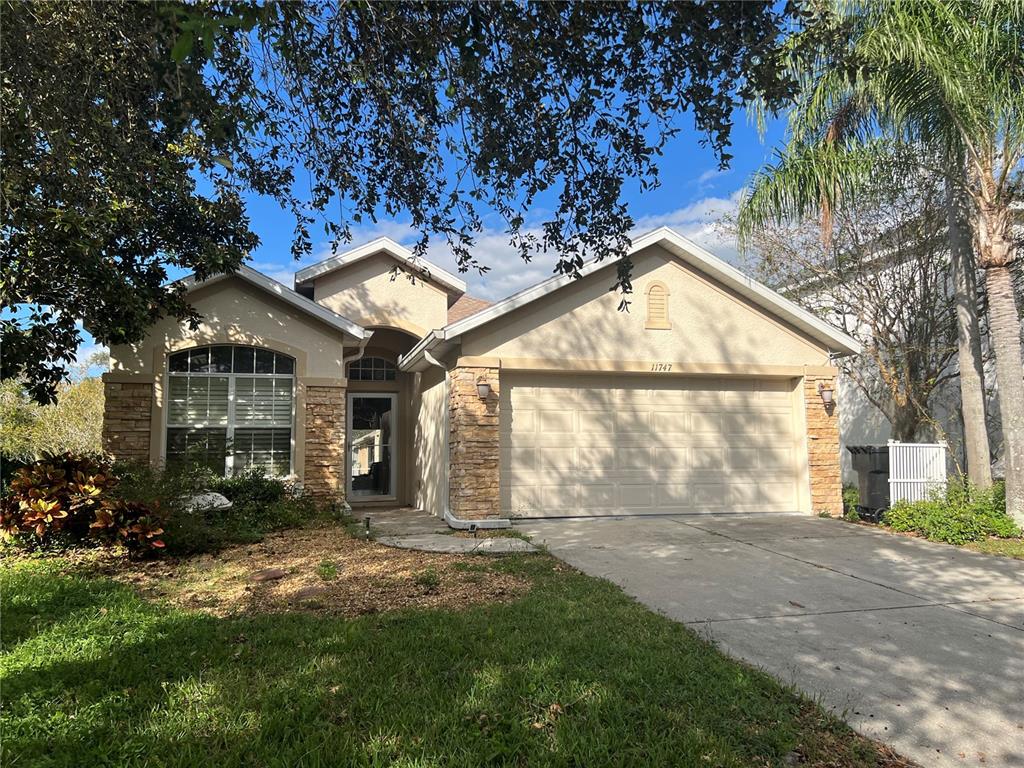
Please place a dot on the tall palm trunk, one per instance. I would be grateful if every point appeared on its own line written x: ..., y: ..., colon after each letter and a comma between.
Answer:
x: 968, y: 332
x: 997, y: 253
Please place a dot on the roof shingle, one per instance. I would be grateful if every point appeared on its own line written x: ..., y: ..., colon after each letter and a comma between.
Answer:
x: 465, y: 306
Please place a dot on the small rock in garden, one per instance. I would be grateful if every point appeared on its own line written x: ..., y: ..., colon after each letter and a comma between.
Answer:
x: 207, y: 502
x: 309, y: 592
x: 268, y: 574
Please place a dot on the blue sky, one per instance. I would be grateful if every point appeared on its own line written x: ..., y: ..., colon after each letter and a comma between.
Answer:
x: 692, y: 195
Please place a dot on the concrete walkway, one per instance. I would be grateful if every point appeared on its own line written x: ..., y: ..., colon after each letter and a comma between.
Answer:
x: 406, y: 528
x: 919, y: 645
x: 458, y: 545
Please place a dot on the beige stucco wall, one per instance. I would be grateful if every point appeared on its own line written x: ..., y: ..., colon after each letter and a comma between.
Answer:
x: 369, y: 293
x: 235, y: 312
x: 709, y: 325
x: 430, y: 447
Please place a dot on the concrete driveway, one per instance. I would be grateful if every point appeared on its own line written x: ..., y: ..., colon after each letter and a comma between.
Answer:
x: 916, y: 644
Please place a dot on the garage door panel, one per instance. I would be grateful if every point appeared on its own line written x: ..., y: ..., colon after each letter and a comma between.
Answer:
x: 589, y: 444
x: 672, y: 422
x: 597, y: 495
x: 553, y: 422
x: 557, y: 457
x: 775, y: 458
x: 597, y: 457
x: 707, y: 457
x: 634, y: 457
x: 633, y: 497
x: 667, y: 458
x: 521, y: 420
x: 596, y: 422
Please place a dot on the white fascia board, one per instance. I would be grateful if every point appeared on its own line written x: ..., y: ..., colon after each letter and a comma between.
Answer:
x: 427, y: 269
x: 683, y: 249
x: 286, y: 294
x: 688, y: 251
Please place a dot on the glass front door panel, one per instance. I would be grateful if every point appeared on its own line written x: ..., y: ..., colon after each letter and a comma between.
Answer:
x: 370, y: 444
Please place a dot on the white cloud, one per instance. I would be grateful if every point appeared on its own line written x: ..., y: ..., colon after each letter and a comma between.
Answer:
x: 508, y: 273
x: 696, y: 221
x: 81, y: 366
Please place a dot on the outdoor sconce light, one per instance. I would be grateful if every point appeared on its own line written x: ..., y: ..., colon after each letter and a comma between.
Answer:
x: 826, y: 393
x: 483, y: 389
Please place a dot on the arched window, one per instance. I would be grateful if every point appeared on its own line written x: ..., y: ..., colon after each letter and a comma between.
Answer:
x: 231, y: 408
x: 657, y: 307
x: 371, y: 369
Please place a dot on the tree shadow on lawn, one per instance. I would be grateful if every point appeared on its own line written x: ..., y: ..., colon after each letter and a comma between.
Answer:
x: 573, y: 674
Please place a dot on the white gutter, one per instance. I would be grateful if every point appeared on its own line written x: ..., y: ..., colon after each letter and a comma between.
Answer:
x: 357, y: 356
x: 456, y: 522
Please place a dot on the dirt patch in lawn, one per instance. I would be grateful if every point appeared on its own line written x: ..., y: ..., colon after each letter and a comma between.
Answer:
x: 322, y: 570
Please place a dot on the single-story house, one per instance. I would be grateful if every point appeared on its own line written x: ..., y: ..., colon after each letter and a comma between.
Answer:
x: 712, y: 393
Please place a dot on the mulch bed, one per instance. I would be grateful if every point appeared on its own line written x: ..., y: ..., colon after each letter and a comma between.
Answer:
x: 321, y: 570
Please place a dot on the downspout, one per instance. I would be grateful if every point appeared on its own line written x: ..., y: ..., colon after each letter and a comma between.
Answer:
x: 358, y: 355
x: 456, y: 522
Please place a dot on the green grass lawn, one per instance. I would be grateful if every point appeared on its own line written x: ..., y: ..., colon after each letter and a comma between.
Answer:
x: 574, y: 674
x: 1003, y: 547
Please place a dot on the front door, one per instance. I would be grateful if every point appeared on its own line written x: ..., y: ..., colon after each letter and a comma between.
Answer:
x: 371, y: 457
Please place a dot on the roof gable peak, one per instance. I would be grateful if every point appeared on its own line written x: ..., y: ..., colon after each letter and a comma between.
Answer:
x: 423, y: 267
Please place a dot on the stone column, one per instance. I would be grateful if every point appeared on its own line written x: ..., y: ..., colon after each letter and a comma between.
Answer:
x: 823, y: 447
x: 127, y: 419
x: 473, y: 484
x: 324, y: 465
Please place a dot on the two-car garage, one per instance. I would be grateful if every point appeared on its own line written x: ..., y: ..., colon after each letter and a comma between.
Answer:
x: 706, y: 393
x: 580, y: 445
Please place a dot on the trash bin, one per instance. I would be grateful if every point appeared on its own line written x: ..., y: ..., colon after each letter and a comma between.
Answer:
x: 871, y: 463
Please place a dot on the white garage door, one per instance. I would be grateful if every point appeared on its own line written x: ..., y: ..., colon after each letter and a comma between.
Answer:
x: 605, y: 445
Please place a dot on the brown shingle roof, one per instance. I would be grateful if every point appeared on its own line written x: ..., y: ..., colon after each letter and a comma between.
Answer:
x: 466, y: 306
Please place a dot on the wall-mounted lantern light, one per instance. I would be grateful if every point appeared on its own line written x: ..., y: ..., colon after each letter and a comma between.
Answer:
x: 826, y: 393
x: 483, y: 389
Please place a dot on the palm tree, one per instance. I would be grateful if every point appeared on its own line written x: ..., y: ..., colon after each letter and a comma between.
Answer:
x: 945, y: 75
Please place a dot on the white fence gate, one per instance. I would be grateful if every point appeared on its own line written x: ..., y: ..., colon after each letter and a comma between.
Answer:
x: 916, y: 470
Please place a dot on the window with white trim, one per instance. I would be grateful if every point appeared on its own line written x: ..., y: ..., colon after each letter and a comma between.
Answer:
x: 371, y: 369
x: 231, y: 408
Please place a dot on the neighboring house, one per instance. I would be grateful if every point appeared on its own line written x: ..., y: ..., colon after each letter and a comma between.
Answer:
x: 391, y: 390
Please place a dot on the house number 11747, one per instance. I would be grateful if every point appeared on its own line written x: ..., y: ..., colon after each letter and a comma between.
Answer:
x: 661, y: 367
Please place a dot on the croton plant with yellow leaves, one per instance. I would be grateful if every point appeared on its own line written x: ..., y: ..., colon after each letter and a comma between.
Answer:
x: 72, y: 498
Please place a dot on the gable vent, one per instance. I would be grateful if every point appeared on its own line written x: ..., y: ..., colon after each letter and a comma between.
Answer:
x: 657, y: 307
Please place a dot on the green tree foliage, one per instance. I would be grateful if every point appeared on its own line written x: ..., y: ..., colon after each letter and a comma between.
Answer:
x: 947, y: 75
x: 132, y: 130
x: 71, y: 424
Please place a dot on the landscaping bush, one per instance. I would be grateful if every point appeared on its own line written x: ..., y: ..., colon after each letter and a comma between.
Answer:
x: 65, y: 500
x: 260, y: 504
x: 851, y: 500
x: 964, y: 513
x: 252, y: 486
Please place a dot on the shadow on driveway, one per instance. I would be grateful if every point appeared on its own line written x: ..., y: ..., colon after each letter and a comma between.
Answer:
x: 914, y: 643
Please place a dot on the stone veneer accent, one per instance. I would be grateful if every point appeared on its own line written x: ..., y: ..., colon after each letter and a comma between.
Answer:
x: 127, y: 416
x: 473, y: 484
x: 324, y: 466
x: 823, y: 448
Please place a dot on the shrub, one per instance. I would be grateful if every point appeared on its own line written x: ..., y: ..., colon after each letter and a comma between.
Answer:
x: 69, y: 499
x: 260, y: 504
x: 251, y: 486
x: 851, y: 500
x: 964, y: 513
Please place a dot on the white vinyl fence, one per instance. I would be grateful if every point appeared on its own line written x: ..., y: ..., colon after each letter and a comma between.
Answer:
x: 916, y: 470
